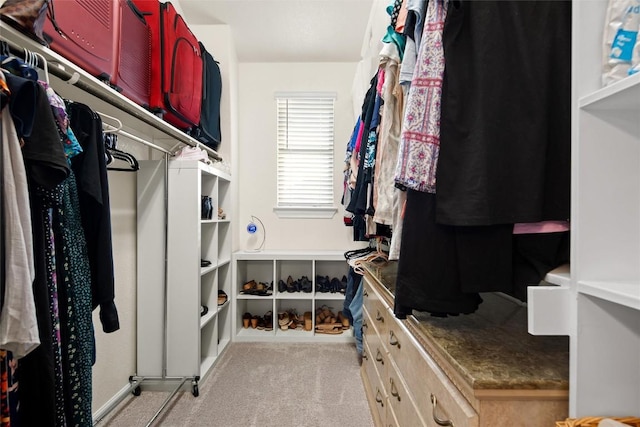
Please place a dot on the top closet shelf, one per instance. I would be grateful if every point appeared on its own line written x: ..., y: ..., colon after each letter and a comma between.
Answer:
x: 623, y: 293
x: 621, y: 95
x: 79, y: 82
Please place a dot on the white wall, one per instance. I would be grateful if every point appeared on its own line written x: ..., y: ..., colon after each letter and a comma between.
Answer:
x: 256, y: 163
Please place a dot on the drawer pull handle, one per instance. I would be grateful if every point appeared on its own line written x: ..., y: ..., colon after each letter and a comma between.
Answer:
x: 379, y: 357
x: 393, y: 340
x: 440, y: 422
x: 379, y: 397
x: 364, y: 325
x: 394, y: 391
x: 365, y: 293
x: 379, y: 317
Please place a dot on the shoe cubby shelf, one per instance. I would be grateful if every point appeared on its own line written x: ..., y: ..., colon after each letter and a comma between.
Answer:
x: 198, y: 264
x: 267, y: 268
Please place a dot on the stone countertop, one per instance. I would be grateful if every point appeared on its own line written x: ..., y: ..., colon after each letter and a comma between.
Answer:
x: 491, y: 348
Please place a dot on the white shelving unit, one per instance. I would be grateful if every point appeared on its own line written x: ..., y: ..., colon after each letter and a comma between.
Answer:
x: 598, y: 303
x: 272, y: 266
x: 194, y: 341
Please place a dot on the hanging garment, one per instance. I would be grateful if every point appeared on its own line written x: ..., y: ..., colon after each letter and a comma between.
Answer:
x: 420, y: 145
x: 443, y: 268
x: 18, y: 323
x: 91, y: 174
x: 74, y: 296
x: 506, y: 113
x: 389, y: 135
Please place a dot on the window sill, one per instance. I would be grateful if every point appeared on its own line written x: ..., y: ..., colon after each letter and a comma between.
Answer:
x: 305, y: 212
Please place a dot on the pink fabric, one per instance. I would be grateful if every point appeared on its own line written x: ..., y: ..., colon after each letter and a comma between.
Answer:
x: 541, y: 227
x: 420, y: 145
x: 381, y: 77
x: 359, y: 138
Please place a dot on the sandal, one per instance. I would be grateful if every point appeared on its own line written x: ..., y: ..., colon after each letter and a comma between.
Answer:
x: 222, y: 297
x: 283, y: 320
x: 343, y: 320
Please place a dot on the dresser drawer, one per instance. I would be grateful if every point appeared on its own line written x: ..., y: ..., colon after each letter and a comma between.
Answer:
x: 400, y: 401
x: 377, y: 394
x: 378, y: 353
x: 434, y: 394
x: 377, y: 309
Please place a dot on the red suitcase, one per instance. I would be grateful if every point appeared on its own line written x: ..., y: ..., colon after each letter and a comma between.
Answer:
x: 133, y: 76
x: 91, y: 28
x: 176, y: 65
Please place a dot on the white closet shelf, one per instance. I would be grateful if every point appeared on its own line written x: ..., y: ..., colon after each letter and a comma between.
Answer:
x: 204, y: 320
x: 72, y: 74
x: 621, y: 95
x: 223, y: 262
x: 626, y: 293
x: 205, y: 270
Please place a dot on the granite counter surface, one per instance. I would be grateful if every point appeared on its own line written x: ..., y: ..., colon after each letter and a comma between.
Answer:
x: 491, y: 348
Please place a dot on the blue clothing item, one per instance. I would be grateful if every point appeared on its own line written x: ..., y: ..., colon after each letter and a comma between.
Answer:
x: 356, y: 311
x: 353, y: 282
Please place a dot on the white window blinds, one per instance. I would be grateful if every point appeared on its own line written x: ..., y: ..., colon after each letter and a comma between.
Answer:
x: 305, y: 150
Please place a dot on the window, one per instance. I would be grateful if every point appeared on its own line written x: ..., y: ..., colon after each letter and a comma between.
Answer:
x: 305, y: 154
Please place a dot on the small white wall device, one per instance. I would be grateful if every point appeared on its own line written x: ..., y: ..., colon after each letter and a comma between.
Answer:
x: 254, y: 230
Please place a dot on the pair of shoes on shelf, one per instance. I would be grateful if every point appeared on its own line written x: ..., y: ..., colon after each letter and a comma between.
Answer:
x: 257, y: 288
x: 258, y: 322
x: 222, y: 297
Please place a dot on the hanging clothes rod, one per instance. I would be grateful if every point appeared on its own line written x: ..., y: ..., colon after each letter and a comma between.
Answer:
x: 72, y: 74
x: 118, y: 130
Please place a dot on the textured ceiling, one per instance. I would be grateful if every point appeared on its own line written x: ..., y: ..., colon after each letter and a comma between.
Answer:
x: 287, y: 30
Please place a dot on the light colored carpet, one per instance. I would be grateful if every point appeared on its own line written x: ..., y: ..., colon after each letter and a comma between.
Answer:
x: 264, y: 385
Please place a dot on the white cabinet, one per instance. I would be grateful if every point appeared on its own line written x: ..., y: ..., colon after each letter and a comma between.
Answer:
x: 194, y: 340
x: 600, y: 307
x: 271, y: 267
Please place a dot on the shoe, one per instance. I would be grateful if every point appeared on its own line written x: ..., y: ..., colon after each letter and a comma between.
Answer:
x: 305, y: 284
x: 246, y: 319
x: 205, y: 263
x: 203, y: 310
x: 282, y: 287
x: 335, y: 285
x: 254, y: 322
x: 283, y: 320
x: 221, y: 214
x: 307, y: 321
x: 343, y: 320
x: 322, y: 283
x: 222, y: 297
x: 268, y: 321
x: 192, y: 153
x: 249, y: 287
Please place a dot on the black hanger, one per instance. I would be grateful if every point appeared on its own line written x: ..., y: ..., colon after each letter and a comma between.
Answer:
x: 112, y: 152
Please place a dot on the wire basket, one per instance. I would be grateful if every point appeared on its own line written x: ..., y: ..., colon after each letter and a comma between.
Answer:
x: 593, y: 421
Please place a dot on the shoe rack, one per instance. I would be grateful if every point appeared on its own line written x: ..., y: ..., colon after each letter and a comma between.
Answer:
x: 268, y: 268
x: 198, y: 266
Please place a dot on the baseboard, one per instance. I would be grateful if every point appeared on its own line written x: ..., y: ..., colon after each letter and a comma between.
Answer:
x: 111, y: 404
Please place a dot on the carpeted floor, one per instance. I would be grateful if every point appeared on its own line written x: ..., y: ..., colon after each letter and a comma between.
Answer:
x: 263, y: 385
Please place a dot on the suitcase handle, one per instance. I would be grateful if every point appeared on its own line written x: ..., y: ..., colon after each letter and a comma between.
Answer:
x: 137, y: 11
